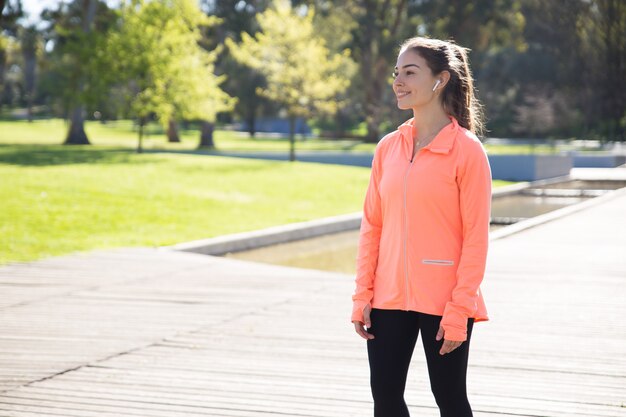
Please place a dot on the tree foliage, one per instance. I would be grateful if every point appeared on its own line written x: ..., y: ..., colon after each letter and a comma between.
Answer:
x: 156, y: 56
x: 237, y: 17
x: 560, y: 65
x: 302, y: 75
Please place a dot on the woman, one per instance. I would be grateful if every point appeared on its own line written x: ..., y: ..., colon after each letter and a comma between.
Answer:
x: 425, y: 230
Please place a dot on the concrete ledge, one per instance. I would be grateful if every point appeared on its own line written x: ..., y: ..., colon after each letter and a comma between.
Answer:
x: 271, y: 236
x: 553, y: 215
x: 297, y: 231
x: 598, y: 174
x: 237, y: 242
x: 516, y: 188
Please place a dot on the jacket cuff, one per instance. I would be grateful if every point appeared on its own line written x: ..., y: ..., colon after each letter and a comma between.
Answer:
x: 357, y: 310
x: 454, y: 324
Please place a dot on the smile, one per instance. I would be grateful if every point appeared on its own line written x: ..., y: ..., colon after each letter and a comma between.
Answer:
x: 402, y: 94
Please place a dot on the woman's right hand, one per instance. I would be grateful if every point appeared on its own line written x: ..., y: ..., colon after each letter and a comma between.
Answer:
x: 358, y: 325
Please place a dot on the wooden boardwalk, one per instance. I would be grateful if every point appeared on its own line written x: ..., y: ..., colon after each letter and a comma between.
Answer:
x: 148, y: 332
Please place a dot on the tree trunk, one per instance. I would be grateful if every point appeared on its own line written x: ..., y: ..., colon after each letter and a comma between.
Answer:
x: 89, y: 12
x: 29, y: 53
x: 614, y: 12
x: 3, y: 65
x: 140, y: 142
x: 206, y: 135
x: 76, y: 134
x: 374, y: 93
x: 292, y: 138
x: 172, y: 132
x: 251, y: 119
x: 378, y: 33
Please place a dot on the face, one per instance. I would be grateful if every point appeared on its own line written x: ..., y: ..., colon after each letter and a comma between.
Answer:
x: 414, y: 81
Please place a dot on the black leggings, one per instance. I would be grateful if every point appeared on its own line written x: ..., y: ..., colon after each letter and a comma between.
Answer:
x: 390, y: 353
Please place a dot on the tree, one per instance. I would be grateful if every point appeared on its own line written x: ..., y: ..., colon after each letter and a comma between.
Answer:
x: 5, y: 43
x: 494, y: 31
x: 157, y: 57
x: 335, y: 23
x: 76, y: 134
x: 236, y: 17
x: 31, y: 49
x: 606, y: 23
x: 77, y: 31
x: 301, y: 74
x: 578, y: 49
x: 10, y: 12
x: 381, y: 26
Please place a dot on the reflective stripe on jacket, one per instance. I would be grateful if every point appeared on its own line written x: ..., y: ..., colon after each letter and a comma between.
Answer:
x: 425, y: 228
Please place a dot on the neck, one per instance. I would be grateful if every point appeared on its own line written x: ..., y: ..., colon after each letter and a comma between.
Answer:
x: 428, y: 120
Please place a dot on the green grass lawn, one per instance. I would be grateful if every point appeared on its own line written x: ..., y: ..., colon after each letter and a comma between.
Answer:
x: 58, y: 199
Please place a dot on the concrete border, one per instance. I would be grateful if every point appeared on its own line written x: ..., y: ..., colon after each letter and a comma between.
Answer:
x: 599, y: 174
x: 515, y: 188
x: 238, y: 242
x: 553, y: 215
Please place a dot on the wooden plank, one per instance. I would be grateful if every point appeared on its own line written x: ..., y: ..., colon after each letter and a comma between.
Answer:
x: 144, y: 332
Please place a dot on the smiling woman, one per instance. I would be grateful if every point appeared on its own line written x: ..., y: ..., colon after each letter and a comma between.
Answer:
x: 424, y: 234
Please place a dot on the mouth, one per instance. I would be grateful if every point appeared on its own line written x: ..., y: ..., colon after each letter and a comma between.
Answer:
x: 402, y: 94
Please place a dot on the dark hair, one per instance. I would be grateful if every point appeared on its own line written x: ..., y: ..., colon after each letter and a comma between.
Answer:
x: 458, y: 96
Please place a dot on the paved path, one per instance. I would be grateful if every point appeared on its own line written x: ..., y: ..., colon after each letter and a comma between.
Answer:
x: 356, y: 158
x: 148, y: 332
x: 360, y: 159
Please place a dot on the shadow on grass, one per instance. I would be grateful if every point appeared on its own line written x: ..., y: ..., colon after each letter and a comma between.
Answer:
x: 239, y: 161
x: 57, y: 155
x: 46, y: 155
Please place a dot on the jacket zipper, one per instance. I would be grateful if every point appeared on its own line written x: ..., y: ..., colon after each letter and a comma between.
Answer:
x: 406, y: 232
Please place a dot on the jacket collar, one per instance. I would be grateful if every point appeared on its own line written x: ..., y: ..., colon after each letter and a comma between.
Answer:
x: 442, y: 143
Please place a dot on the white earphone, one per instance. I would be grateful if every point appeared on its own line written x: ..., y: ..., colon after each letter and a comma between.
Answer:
x: 436, y: 84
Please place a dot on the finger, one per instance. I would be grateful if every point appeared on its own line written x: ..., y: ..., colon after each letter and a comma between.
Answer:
x: 446, y: 347
x: 449, y: 346
x: 358, y: 327
x: 364, y: 334
x: 440, y: 333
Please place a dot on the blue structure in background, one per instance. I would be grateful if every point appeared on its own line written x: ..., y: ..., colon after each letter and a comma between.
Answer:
x: 276, y: 125
x: 529, y: 167
x: 598, y: 161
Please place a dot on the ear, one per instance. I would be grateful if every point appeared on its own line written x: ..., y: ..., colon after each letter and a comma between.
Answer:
x: 444, y: 76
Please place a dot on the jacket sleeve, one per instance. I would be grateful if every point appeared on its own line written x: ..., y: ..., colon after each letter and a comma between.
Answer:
x: 369, y: 240
x: 474, y: 182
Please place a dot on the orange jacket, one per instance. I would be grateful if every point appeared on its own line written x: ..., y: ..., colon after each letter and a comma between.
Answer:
x: 425, y: 228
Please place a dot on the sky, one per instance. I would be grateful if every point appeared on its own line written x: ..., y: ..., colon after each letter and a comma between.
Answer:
x: 33, y: 8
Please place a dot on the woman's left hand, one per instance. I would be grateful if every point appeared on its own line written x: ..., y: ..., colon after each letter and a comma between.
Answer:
x: 448, y: 345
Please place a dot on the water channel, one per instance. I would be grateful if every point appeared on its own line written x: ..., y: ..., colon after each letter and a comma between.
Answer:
x: 337, y: 252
